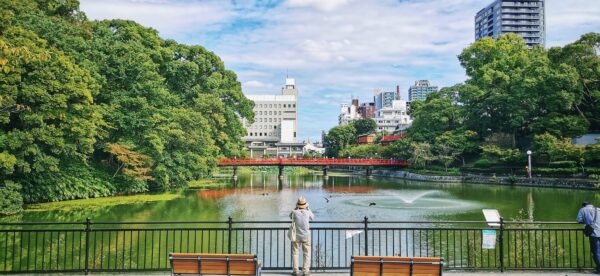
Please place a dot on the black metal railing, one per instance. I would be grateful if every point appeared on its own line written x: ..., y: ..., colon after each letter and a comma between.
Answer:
x: 144, y: 246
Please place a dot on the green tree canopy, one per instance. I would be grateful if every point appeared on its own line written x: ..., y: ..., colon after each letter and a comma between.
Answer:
x: 364, y: 126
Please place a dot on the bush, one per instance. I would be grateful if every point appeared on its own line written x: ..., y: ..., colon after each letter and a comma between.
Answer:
x: 556, y: 171
x: 563, y: 164
x: 482, y: 163
x: 11, y: 201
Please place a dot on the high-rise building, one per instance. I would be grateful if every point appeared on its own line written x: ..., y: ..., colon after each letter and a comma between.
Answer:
x: 523, y: 17
x: 275, y: 121
x: 420, y: 90
x: 348, y: 113
x: 384, y: 99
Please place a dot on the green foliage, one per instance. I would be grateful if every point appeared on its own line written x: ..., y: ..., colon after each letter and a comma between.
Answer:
x: 436, y: 115
x: 421, y: 154
x: 453, y: 145
x: 362, y: 151
x: 400, y: 149
x: 73, y: 89
x: 563, y: 164
x: 338, y: 138
x: 584, y: 56
x: 496, y: 153
x: 592, y: 152
x: 516, y: 90
x: 482, y: 163
x: 558, y: 149
x: 365, y: 125
x: 11, y: 201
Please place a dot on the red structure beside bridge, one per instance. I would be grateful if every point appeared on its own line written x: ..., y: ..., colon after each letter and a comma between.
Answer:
x: 311, y: 162
x: 322, y: 162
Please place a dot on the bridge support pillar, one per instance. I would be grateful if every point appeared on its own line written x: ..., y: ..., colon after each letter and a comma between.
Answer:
x: 280, y: 172
x: 235, y: 177
x: 325, y: 169
x: 369, y: 171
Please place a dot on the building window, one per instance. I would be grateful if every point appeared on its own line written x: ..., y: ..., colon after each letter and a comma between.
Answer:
x: 294, y: 105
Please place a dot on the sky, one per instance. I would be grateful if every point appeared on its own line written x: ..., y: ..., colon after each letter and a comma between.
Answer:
x: 335, y: 49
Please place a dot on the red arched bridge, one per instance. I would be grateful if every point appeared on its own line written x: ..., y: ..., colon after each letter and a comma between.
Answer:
x: 309, y: 162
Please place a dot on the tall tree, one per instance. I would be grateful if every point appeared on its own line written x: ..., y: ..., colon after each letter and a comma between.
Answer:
x: 338, y: 138
x: 515, y: 90
x: 364, y: 126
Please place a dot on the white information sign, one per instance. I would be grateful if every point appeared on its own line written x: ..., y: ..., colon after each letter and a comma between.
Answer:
x: 488, y: 240
x: 492, y: 216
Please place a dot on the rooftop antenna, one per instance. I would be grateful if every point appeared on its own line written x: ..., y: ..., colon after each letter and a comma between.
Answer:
x: 286, y: 73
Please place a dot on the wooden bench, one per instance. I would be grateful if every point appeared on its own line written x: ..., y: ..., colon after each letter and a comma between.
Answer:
x: 396, y: 266
x: 214, y: 264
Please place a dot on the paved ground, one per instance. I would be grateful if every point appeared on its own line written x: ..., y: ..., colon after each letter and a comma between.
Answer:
x: 270, y: 273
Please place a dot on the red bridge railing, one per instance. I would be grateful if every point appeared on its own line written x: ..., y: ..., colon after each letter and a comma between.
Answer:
x: 310, y: 162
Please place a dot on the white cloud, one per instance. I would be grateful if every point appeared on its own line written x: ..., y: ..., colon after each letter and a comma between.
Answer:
x: 254, y: 84
x: 170, y: 18
x: 337, y: 48
x: 323, y: 5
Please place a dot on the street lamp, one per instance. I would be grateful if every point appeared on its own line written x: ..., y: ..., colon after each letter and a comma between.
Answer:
x: 529, y: 163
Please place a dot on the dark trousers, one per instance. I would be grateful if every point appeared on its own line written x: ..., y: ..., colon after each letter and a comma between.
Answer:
x: 595, y: 248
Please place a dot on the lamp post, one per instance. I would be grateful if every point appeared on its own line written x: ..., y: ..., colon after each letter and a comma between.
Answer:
x: 529, y: 163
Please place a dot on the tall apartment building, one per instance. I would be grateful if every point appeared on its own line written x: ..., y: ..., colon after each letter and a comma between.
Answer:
x: 524, y: 17
x: 275, y: 122
x: 420, y: 90
x: 384, y: 99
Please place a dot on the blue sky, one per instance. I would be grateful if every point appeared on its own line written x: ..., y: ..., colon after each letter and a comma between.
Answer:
x: 334, y: 48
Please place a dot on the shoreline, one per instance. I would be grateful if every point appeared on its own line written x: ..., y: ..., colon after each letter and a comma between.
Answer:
x: 542, y: 182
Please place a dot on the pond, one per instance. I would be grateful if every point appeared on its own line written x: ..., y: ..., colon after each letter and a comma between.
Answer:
x: 261, y: 196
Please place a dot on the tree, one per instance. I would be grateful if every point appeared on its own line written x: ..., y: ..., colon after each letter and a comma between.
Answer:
x: 362, y: 151
x: 440, y: 112
x: 507, y: 156
x: 453, y: 145
x: 516, y: 90
x: 558, y: 149
x: 338, y: 138
x: 364, y: 126
x: 400, y: 149
x: 584, y: 56
x: 421, y: 154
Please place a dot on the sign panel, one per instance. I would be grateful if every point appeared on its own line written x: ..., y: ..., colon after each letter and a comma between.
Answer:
x: 488, y: 239
x: 492, y: 216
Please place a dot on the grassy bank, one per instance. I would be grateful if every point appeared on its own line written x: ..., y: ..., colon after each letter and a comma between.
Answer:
x: 95, y: 203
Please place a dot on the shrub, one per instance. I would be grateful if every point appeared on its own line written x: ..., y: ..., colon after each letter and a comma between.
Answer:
x: 483, y: 163
x: 11, y: 201
x: 563, y: 164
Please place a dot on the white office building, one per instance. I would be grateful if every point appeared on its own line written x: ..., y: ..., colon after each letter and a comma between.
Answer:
x: 393, y: 118
x: 275, y: 124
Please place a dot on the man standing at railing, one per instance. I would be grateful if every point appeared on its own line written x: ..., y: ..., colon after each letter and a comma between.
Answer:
x: 301, y: 218
x: 588, y: 215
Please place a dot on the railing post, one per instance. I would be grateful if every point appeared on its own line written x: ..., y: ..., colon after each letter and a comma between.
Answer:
x: 88, y: 229
x: 366, y: 222
x: 230, y: 222
x: 501, y: 241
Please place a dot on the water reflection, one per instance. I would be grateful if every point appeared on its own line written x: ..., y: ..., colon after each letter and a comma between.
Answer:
x: 263, y: 196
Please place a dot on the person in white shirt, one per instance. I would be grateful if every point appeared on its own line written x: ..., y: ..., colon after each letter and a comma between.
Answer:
x: 301, y: 216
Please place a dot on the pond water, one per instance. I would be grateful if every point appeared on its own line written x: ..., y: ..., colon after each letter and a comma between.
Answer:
x: 264, y: 197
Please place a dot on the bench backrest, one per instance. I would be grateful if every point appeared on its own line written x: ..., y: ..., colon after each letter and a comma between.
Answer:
x: 397, y: 266
x: 213, y: 264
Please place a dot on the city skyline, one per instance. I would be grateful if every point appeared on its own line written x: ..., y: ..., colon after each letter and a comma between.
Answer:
x: 334, y: 49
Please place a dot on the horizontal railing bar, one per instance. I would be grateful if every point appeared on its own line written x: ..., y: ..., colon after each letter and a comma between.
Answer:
x: 279, y: 222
